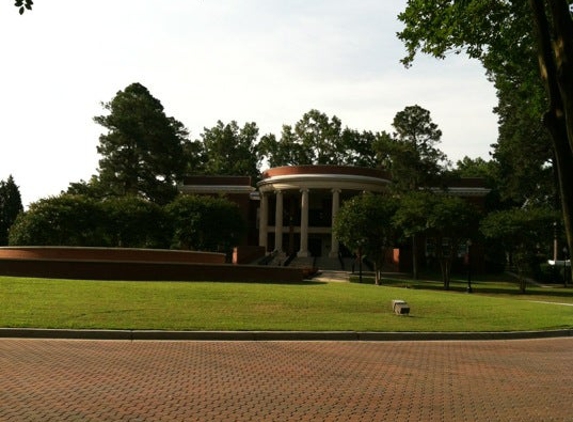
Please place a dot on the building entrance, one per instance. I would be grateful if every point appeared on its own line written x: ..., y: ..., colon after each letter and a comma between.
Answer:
x: 315, y: 246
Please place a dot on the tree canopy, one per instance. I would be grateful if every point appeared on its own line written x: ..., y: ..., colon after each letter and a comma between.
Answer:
x: 23, y: 5
x: 521, y: 231
x: 449, y: 220
x: 524, y: 47
x: 205, y: 223
x: 410, y: 153
x: 363, y: 224
x: 230, y: 150
x: 143, y: 151
x: 10, y: 207
x: 317, y: 139
x: 65, y: 220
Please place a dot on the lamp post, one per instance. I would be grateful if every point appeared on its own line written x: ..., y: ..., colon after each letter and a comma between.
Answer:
x: 361, y: 243
x: 468, y: 254
x: 555, y: 270
x: 565, y: 266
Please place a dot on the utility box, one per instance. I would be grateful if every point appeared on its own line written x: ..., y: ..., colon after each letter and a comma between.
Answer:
x: 400, y: 307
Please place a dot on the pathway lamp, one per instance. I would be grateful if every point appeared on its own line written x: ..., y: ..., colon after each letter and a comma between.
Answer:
x: 468, y: 255
x: 361, y: 243
x: 565, y: 266
x: 555, y: 269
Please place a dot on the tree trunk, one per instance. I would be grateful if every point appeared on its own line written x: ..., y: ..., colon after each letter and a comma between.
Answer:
x: 414, y: 258
x: 445, y: 267
x: 555, y: 56
x: 376, y: 273
x: 522, y: 283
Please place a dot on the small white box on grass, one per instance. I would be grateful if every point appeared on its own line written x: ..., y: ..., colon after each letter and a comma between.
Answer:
x: 400, y: 307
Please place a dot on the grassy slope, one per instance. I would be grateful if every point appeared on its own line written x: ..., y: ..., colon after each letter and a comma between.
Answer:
x: 45, y: 303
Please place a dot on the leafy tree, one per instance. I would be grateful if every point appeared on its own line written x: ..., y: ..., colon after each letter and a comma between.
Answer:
x: 363, y: 224
x: 92, y: 189
x: 358, y: 148
x: 476, y: 167
x: 520, y: 231
x: 77, y: 220
x: 410, y: 153
x: 489, y: 171
x: 317, y: 139
x: 133, y: 222
x: 284, y: 152
x: 144, y: 150
x: 449, y: 220
x: 320, y: 137
x: 511, y: 39
x: 10, y: 207
x: 205, y: 223
x: 65, y: 220
x: 23, y: 5
x: 523, y: 149
x: 230, y: 150
x: 411, y: 156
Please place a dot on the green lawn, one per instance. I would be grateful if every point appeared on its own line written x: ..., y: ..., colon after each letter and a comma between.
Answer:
x: 45, y: 303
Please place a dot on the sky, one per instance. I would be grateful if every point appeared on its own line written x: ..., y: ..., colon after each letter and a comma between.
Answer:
x: 263, y: 61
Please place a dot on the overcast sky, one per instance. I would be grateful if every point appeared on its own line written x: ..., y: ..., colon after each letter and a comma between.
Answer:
x: 267, y: 61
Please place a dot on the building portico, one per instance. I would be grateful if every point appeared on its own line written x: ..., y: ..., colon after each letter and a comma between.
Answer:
x: 298, y: 205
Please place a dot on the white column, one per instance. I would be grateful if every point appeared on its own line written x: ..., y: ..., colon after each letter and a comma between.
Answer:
x: 303, y: 252
x: 263, y: 221
x: 335, y: 206
x: 279, y: 221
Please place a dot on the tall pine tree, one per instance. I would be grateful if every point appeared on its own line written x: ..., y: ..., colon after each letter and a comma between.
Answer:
x: 143, y: 151
x: 10, y: 207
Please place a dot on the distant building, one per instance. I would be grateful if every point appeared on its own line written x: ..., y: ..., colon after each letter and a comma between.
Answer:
x: 298, y: 205
x: 292, y: 209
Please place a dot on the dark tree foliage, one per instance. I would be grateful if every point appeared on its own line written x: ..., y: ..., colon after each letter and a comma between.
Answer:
x: 10, y: 207
x: 448, y: 219
x: 65, y: 220
x: 524, y: 46
x: 78, y: 220
x: 521, y: 232
x: 92, y: 188
x: 231, y: 150
x: 143, y: 151
x: 23, y: 5
x: 205, y: 223
x: 410, y: 153
x: 363, y: 225
x: 133, y: 222
x: 317, y: 139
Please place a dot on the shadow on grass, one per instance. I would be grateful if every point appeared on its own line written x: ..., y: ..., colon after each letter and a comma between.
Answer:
x: 491, y: 285
x: 287, y: 283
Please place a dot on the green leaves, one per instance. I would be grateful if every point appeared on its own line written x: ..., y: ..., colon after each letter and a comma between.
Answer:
x: 23, y: 5
x: 230, y: 150
x: 10, y: 207
x: 317, y: 139
x: 205, y: 223
x: 144, y: 151
x: 410, y: 153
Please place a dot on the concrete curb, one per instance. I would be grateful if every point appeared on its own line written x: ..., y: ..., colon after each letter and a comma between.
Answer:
x: 131, y: 335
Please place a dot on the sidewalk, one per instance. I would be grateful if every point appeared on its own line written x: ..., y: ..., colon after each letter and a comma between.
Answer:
x: 346, y: 381
x: 38, y: 333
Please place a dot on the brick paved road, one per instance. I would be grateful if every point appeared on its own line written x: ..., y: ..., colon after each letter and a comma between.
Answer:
x: 79, y: 380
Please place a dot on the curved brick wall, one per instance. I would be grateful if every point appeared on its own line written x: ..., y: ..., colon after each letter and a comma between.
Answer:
x: 324, y: 169
x: 110, y: 254
x: 134, y: 264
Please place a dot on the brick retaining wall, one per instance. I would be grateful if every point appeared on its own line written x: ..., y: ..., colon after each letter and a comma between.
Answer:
x: 134, y: 264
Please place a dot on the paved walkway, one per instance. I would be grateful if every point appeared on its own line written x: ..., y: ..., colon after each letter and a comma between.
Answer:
x: 118, y: 380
